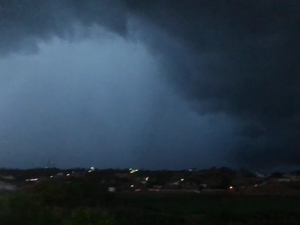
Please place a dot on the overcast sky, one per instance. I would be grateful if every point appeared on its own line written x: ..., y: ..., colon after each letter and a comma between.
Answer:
x: 150, y: 84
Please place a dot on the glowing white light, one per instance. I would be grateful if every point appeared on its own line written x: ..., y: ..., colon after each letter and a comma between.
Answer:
x: 134, y: 171
x: 182, y: 179
x: 230, y: 187
x: 33, y: 179
x: 132, y: 185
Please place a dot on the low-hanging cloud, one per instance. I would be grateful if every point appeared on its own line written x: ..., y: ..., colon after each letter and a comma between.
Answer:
x: 239, y: 58
x: 234, y: 58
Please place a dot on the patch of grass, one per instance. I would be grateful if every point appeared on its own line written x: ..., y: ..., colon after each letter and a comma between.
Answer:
x: 86, y: 204
x: 225, y: 209
x: 27, y: 209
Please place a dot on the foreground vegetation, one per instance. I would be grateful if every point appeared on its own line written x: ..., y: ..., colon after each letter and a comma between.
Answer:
x: 88, y: 203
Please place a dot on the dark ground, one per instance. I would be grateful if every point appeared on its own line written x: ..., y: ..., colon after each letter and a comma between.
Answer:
x: 84, y: 202
x: 193, y: 209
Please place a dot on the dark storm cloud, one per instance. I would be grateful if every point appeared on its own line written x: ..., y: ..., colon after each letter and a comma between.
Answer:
x: 243, y: 53
x: 23, y: 24
x: 238, y: 58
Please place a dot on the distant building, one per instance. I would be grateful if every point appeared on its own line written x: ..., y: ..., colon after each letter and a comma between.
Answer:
x: 157, y: 186
x: 7, y: 177
x: 291, y: 177
x: 260, y: 175
x: 283, y: 179
x: 78, y: 174
x: 111, y: 189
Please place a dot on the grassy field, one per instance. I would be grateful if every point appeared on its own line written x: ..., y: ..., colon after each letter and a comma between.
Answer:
x: 191, y: 209
x: 85, y: 204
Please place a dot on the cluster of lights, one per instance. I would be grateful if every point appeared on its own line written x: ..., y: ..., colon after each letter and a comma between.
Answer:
x: 68, y: 174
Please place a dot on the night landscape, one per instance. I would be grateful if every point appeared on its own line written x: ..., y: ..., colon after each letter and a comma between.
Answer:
x: 149, y: 112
